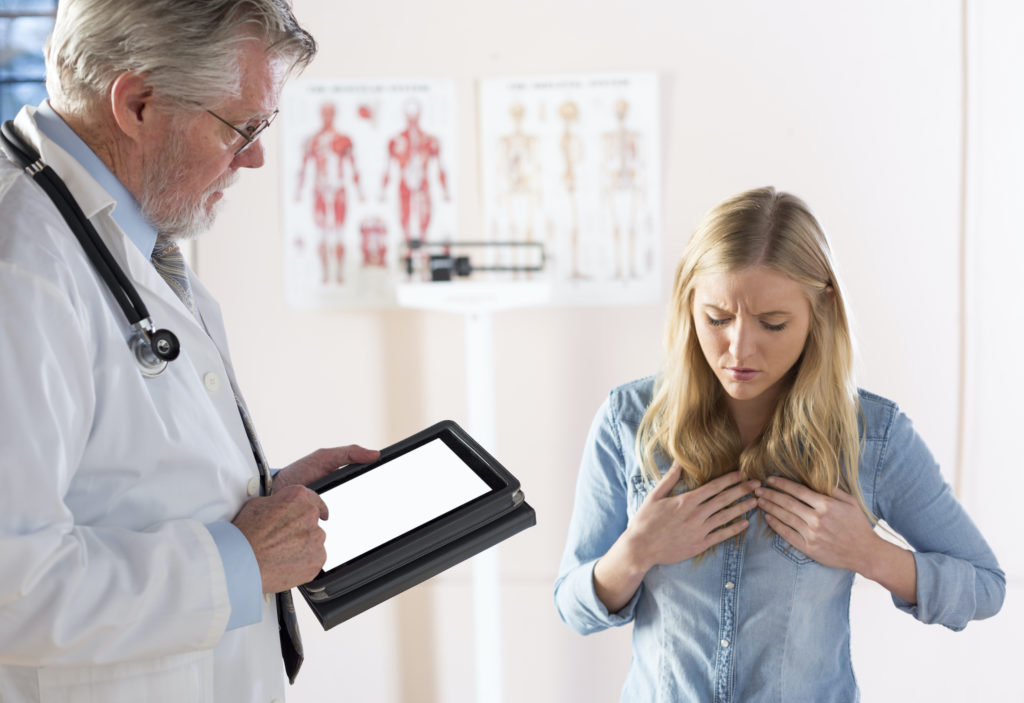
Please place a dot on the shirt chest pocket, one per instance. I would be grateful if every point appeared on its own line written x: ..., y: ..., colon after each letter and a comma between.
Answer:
x: 790, y: 552
x: 636, y: 491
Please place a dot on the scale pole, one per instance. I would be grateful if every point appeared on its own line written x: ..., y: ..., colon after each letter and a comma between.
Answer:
x: 480, y: 397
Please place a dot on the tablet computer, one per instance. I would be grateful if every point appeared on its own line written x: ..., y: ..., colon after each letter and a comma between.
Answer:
x: 429, y: 501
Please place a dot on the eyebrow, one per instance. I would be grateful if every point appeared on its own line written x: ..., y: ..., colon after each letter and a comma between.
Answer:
x: 771, y: 313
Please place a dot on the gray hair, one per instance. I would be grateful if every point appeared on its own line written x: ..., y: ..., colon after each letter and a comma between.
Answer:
x: 188, y: 49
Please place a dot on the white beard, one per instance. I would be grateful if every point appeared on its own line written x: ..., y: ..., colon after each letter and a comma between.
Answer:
x: 173, y: 216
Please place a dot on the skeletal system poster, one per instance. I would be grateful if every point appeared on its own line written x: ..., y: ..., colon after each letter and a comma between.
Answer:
x: 572, y: 162
x: 368, y: 166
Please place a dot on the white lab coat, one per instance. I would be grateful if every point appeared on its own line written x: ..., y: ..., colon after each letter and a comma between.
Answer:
x: 111, y: 587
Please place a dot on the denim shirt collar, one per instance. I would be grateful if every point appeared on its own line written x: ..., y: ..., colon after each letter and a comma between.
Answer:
x: 126, y: 212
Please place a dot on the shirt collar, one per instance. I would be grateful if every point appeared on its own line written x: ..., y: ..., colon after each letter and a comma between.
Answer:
x: 126, y: 211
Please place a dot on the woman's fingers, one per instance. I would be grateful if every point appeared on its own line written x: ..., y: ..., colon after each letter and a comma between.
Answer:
x: 666, y: 483
x: 729, y: 496
x: 725, y: 516
x: 797, y: 490
x: 715, y: 486
x: 726, y: 532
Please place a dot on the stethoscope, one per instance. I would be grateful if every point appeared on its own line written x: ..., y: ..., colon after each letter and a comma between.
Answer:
x: 152, y: 348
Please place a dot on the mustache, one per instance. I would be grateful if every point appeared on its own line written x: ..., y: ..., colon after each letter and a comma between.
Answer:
x: 224, y: 183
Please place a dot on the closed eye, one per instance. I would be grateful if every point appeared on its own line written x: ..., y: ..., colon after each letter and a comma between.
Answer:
x: 774, y: 328
x: 718, y: 322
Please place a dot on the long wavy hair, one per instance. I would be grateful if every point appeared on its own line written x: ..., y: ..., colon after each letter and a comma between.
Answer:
x: 812, y: 436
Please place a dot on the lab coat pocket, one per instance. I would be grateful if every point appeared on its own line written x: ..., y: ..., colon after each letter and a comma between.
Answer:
x: 176, y: 678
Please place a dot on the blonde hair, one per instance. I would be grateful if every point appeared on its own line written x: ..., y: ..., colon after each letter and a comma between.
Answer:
x: 812, y: 435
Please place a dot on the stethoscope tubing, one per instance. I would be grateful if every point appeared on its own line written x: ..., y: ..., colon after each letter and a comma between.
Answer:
x: 120, y: 287
x: 152, y: 348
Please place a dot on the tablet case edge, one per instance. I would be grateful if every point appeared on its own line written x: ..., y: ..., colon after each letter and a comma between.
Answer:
x: 343, y: 607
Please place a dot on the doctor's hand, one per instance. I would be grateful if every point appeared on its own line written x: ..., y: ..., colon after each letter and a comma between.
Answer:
x: 320, y: 463
x: 285, y: 535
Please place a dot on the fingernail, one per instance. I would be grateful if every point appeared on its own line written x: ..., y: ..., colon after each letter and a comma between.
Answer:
x: 770, y: 479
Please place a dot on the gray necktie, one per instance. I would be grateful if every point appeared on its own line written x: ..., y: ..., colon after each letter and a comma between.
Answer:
x: 170, y: 264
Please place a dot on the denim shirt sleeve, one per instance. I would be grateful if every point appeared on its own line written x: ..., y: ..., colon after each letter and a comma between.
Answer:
x: 958, y: 577
x: 598, y: 518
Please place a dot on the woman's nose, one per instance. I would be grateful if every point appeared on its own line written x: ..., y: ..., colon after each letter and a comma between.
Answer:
x: 741, y: 341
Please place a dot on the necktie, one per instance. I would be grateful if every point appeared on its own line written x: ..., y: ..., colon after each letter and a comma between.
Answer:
x: 170, y: 264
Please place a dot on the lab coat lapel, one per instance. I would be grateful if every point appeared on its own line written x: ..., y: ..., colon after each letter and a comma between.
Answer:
x: 209, y: 310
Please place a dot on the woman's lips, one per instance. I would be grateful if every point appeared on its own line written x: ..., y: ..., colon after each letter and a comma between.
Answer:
x: 741, y: 374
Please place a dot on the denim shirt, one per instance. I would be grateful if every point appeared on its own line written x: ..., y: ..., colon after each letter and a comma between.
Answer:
x: 756, y: 619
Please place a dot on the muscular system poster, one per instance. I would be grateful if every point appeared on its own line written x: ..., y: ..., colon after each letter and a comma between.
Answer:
x: 368, y: 167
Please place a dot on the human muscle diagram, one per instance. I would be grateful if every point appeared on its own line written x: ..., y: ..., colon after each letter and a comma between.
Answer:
x: 366, y: 172
x: 326, y: 156
x: 411, y: 155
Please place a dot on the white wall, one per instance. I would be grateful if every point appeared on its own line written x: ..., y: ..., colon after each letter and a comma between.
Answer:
x: 857, y: 107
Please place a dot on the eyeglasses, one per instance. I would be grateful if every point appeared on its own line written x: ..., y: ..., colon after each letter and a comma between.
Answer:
x: 250, y: 132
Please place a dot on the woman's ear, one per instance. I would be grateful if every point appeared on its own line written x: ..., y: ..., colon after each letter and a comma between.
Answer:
x: 131, y: 104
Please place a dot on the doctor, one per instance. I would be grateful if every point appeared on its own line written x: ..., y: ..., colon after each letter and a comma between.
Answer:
x: 141, y: 540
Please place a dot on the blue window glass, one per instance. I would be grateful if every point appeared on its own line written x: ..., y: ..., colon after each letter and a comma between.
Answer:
x: 24, y: 26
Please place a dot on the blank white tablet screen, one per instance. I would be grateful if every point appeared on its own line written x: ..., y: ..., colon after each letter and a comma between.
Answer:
x: 402, y: 494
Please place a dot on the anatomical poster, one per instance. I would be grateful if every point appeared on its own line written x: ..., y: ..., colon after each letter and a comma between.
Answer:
x: 572, y: 164
x: 368, y: 170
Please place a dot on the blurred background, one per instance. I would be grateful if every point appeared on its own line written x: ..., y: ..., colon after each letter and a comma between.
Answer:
x: 900, y: 122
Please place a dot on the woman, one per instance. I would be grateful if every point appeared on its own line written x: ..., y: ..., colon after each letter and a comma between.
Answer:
x: 724, y: 506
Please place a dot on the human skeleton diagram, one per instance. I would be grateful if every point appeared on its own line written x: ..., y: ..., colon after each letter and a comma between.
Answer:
x: 571, y: 150
x: 519, y: 179
x: 329, y: 151
x: 623, y: 190
x: 413, y: 151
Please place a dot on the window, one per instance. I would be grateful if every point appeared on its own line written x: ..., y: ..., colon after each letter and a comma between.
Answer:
x: 24, y: 26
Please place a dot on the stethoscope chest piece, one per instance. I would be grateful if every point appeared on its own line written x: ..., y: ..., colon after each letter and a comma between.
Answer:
x: 153, y: 350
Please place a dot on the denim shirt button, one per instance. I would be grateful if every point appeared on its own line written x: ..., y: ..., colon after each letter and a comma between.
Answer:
x: 729, y: 585
x: 725, y: 643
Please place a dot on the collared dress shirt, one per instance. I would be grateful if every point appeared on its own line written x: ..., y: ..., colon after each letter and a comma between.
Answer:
x: 757, y: 620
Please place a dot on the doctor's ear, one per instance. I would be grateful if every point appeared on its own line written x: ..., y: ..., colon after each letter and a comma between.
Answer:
x: 131, y: 103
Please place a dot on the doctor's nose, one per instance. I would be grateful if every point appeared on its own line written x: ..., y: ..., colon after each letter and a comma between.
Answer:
x: 252, y: 157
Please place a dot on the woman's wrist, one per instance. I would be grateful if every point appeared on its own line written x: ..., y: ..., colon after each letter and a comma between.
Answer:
x: 893, y: 567
x: 630, y: 548
x: 618, y: 574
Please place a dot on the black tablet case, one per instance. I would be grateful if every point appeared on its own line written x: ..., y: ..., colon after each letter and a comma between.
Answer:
x: 424, y: 552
